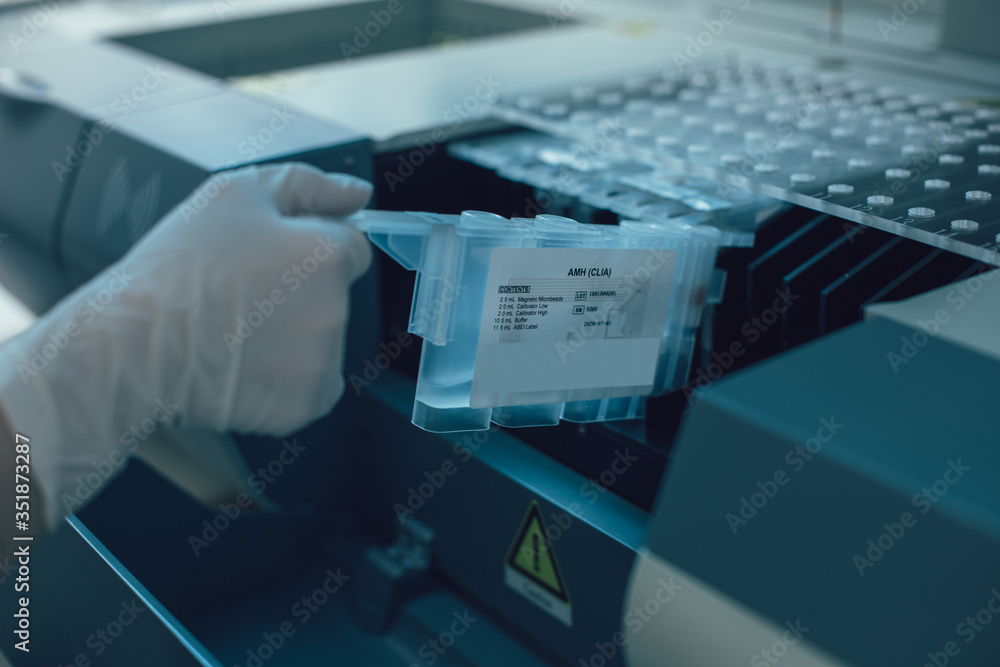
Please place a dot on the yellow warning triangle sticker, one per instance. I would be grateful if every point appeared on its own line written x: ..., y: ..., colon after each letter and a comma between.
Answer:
x: 532, y: 555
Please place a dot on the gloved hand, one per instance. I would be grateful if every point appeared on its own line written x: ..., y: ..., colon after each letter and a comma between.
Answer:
x: 229, y: 314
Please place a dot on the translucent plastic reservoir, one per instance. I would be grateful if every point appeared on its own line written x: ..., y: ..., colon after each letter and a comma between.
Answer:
x: 574, y: 176
x: 529, y: 321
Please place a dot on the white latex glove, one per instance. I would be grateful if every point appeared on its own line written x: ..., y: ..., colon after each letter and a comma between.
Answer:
x: 229, y: 314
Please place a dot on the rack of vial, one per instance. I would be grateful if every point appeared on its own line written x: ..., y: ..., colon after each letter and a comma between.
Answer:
x: 572, y: 176
x: 529, y: 321
x: 907, y: 163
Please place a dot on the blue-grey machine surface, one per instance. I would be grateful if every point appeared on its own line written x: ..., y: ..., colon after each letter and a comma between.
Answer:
x: 785, y: 452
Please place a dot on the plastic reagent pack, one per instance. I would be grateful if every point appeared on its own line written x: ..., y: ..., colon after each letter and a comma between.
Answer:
x: 527, y: 321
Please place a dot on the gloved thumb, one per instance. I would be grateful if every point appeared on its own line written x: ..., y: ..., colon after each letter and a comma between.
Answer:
x: 301, y: 189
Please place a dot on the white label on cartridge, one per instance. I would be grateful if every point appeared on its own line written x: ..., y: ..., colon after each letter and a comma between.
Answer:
x: 571, y: 324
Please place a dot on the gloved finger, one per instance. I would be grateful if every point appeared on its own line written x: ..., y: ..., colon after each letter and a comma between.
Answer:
x: 349, y: 244
x: 298, y: 189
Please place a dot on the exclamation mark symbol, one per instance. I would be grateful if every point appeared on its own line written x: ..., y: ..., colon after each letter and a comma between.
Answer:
x: 538, y: 551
